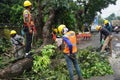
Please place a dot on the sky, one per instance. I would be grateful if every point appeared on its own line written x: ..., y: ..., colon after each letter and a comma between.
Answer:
x: 111, y: 9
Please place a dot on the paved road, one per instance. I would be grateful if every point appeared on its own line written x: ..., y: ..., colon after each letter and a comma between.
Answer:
x: 94, y: 42
x: 114, y: 60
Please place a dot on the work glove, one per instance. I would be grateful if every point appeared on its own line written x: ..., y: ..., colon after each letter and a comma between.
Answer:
x: 102, y: 42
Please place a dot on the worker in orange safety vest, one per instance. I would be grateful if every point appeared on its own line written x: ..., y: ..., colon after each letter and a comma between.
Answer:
x: 70, y: 50
x: 29, y: 27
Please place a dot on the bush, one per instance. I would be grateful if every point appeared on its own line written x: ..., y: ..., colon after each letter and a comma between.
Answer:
x: 4, y: 45
x: 93, y: 64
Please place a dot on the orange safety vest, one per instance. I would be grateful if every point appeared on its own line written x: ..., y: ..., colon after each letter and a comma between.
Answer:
x: 27, y: 13
x: 72, y: 37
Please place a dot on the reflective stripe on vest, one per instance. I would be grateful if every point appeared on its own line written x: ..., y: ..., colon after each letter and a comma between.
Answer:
x: 72, y: 37
x: 27, y: 13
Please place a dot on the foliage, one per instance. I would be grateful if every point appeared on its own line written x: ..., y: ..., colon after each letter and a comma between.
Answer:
x: 42, y: 62
x: 11, y: 11
x: 7, y: 33
x: 48, y: 50
x: 100, y: 20
x: 47, y: 68
x: 1, y: 61
x: 93, y: 64
x: 38, y: 43
x: 118, y: 17
x: 16, y: 11
x: 72, y: 13
x: 43, y: 68
x: 4, y: 45
x: 111, y: 17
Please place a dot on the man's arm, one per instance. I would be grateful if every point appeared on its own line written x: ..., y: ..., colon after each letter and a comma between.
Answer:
x: 110, y: 28
x: 68, y: 43
x: 100, y: 36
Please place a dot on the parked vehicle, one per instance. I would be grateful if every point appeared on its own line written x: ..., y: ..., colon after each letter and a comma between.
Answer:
x: 116, y: 29
x: 116, y: 26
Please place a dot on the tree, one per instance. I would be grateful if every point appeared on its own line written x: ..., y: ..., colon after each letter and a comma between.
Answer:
x: 11, y: 11
x: 48, y: 13
x: 118, y: 17
x: 111, y: 17
x: 90, y: 9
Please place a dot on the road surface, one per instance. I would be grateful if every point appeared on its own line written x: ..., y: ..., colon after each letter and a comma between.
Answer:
x: 114, y: 59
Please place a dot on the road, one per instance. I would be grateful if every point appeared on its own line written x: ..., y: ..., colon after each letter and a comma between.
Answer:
x: 93, y: 41
x: 114, y: 59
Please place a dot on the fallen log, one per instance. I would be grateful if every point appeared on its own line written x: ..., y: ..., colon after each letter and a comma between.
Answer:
x: 16, y: 68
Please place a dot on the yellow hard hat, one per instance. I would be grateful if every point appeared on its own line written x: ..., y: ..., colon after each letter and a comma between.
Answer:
x: 98, y: 28
x: 106, y: 21
x: 60, y: 28
x: 55, y: 30
x: 27, y: 3
x: 12, y: 32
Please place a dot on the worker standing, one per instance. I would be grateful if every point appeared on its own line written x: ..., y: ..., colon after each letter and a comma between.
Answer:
x: 29, y: 27
x: 107, y: 37
x: 107, y: 25
x: 18, y: 44
x: 70, y: 51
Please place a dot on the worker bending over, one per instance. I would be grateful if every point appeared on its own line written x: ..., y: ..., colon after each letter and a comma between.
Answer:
x: 18, y: 44
x: 104, y: 33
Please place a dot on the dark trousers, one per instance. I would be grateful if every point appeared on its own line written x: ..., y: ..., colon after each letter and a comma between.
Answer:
x: 28, y: 40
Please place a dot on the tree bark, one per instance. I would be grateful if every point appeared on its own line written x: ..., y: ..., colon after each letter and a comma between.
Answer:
x: 17, y: 68
x: 39, y: 19
x: 46, y: 28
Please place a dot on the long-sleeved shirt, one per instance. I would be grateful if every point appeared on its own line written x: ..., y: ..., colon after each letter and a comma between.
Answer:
x: 108, y: 27
x: 104, y: 32
x: 17, y: 40
x: 68, y: 43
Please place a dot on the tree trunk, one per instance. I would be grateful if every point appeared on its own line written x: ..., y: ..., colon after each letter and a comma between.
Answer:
x: 46, y: 28
x: 39, y: 20
x: 17, y: 68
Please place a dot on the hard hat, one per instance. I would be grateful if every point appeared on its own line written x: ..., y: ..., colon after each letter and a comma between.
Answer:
x: 13, y: 32
x: 60, y: 28
x: 106, y: 21
x: 27, y: 3
x: 98, y: 28
x: 55, y: 30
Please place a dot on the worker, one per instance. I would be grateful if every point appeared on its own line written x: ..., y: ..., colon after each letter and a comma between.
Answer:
x: 107, y: 37
x: 18, y: 44
x: 107, y: 25
x: 29, y: 27
x: 54, y: 34
x: 70, y: 50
